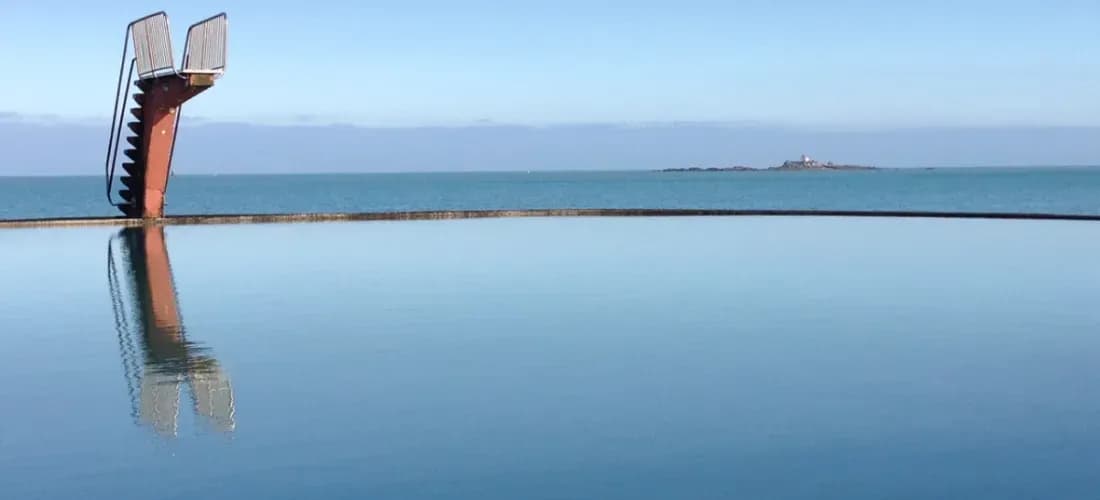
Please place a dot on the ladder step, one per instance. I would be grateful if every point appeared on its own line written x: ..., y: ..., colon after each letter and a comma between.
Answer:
x: 139, y: 98
x: 130, y: 182
x: 136, y: 112
x: 142, y: 84
x: 132, y: 170
x: 131, y: 154
x: 134, y: 141
x: 128, y: 209
x: 136, y: 127
x: 126, y: 194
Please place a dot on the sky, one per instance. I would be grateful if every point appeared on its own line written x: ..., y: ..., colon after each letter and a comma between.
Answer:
x: 867, y: 65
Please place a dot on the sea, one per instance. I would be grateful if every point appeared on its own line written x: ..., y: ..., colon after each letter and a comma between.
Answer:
x: 1068, y: 190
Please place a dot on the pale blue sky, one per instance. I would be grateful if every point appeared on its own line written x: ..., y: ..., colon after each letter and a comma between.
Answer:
x: 836, y: 64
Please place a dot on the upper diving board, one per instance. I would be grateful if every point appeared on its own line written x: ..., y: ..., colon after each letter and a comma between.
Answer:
x: 152, y: 46
x: 206, y: 46
x: 204, y: 50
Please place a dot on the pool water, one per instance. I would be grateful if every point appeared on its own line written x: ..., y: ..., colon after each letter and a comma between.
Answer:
x: 612, y: 358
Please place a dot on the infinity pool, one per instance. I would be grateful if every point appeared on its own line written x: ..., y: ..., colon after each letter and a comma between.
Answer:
x: 610, y: 358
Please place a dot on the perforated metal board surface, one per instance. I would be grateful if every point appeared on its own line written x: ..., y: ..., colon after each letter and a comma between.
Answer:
x: 152, y: 45
x: 206, y: 45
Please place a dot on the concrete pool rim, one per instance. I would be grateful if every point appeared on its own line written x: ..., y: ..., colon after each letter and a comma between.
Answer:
x: 200, y: 219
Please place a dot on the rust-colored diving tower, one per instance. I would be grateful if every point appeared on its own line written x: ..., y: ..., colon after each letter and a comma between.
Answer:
x: 163, y: 90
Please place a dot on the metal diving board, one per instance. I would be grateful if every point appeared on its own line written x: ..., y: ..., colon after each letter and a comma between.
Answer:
x: 152, y: 46
x: 206, y: 46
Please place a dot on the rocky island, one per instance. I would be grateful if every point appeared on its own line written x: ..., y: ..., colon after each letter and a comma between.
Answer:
x: 805, y: 163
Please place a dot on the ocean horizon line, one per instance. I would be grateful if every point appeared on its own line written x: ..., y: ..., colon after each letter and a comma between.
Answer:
x: 540, y: 170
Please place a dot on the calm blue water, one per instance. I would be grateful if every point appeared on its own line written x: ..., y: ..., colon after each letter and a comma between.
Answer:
x: 779, y: 358
x: 1054, y: 190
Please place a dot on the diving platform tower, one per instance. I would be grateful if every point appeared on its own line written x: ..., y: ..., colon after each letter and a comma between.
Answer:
x: 161, y: 91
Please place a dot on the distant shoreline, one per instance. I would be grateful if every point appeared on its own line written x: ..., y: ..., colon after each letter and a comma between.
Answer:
x: 802, y: 165
x: 783, y: 169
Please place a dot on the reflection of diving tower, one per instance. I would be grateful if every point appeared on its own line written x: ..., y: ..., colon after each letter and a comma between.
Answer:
x: 157, y: 107
x: 167, y: 359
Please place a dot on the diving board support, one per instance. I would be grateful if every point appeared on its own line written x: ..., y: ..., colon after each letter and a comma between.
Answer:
x: 164, y: 98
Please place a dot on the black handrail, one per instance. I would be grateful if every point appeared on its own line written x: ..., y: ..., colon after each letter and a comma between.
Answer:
x: 112, y: 140
x: 118, y: 137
